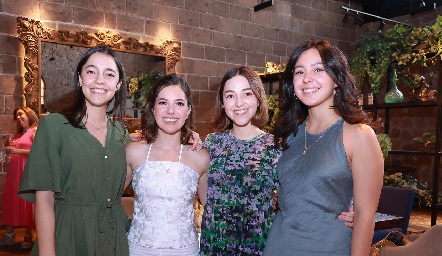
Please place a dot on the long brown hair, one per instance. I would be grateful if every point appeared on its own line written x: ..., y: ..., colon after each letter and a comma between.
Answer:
x: 220, y: 121
x: 149, y: 126
x: 345, y: 104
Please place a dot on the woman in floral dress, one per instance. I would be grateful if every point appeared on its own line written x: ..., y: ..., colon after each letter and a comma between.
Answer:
x: 242, y: 177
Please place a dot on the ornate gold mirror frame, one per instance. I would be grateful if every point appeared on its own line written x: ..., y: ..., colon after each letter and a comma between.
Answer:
x: 32, y: 32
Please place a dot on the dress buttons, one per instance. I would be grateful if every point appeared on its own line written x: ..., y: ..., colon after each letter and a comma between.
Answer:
x: 108, y: 178
x: 108, y: 199
x: 105, y: 156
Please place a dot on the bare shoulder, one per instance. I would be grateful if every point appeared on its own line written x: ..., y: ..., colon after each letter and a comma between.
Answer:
x: 136, y: 151
x: 136, y: 145
x: 358, y: 131
x: 359, y: 140
x: 197, y: 160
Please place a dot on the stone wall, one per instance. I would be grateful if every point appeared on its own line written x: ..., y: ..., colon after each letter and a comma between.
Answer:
x: 215, y: 34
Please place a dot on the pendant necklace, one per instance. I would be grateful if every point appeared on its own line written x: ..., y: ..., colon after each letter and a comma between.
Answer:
x: 167, y: 169
x: 320, y: 137
x: 163, y: 165
x: 97, y: 127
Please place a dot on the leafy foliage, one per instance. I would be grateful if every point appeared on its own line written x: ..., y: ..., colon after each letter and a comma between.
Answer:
x: 399, y: 47
x: 423, y: 192
x: 273, y: 106
x: 385, y: 143
x: 139, y: 86
x: 372, y: 58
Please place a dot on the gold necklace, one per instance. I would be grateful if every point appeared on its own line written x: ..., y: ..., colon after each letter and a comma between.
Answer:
x: 320, y: 137
x: 167, y: 169
x: 97, y: 128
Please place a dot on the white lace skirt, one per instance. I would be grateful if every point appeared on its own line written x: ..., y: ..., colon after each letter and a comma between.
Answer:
x: 136, y: 250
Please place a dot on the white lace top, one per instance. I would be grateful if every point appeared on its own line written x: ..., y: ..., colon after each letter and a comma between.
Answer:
x: 163, y: 210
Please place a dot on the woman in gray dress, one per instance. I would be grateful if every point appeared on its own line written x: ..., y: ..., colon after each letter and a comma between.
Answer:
x: 330, y: 156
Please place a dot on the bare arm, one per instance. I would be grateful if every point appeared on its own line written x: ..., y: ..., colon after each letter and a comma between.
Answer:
x: 45, y: 222
x: 131, y: 154
x: 17, y: 151
x: 367, y: 165
x: 128, y: 176
x: 202, y: 189
x: 204, y: 160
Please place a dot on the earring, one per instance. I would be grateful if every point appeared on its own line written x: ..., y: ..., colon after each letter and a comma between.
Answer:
x: 335, y: 90
x: 80, y: 85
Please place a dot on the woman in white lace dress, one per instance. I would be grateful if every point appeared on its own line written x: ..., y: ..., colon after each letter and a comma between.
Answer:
x: 166, y: 174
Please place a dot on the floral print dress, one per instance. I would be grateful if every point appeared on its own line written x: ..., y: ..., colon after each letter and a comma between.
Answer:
x: 242, y: 177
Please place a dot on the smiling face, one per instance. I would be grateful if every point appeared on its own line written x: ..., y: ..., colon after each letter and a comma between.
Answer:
x: 99, y: 79
x: 312, y: 85
x: 240, y: 104
x: 171, y: 109
x: 22, y: 119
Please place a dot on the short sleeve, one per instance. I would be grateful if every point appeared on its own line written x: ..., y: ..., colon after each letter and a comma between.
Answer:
x: 43, y: 167
x: 208, y: 141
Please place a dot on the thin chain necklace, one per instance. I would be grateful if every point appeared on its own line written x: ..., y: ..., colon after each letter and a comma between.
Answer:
x: 97, y: 127
x: 320, y: 137
x: 167, y: 169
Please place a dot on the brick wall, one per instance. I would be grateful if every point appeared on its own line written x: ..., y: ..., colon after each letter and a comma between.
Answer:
x: 215, y: 34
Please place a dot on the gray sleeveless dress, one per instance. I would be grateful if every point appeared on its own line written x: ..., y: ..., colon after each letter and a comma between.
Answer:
x: 314, y: 189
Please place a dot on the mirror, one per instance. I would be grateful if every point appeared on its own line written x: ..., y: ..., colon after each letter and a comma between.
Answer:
x: 51, y: 57
x: 57, y: 67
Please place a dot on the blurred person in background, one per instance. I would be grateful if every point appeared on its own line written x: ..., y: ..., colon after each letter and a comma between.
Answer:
x: 16, y: 211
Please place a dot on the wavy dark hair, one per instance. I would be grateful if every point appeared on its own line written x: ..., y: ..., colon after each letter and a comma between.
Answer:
x: 220, y: 121
x: 293, y: 112
x: 149, y: 126
x: 77, y: 110
x: 32, y: 117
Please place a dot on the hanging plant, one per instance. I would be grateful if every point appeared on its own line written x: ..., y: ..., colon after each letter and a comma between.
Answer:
x: 371, y: 58
x: 400, y: 47
x: 138, y: 86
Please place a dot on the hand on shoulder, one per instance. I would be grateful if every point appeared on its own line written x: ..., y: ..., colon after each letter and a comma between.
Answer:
x: 199, y: 160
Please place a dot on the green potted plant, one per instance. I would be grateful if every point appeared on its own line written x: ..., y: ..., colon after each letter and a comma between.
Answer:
x: 273, y: 106
x: 371, y: 58
x: 385, y: 144
x: 138, y: 86
x: 399, y: 48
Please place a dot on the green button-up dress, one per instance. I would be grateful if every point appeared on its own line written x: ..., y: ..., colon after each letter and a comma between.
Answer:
x: 88, y: 181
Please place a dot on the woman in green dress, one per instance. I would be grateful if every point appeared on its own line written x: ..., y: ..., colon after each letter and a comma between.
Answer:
x: 76, y: 170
